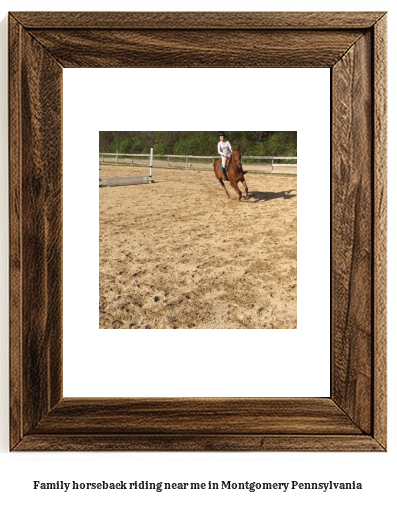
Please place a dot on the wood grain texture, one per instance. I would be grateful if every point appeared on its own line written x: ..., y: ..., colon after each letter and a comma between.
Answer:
x: 302, y: 416
x: 354, y: 418
x: 36, y: 241
x: 380, y: 229
x: 352, y: 232
x: 15, y: 227
x: 41, y: 87
x: 199, y: 443
x: 196, y: 48
x: 202, y: 20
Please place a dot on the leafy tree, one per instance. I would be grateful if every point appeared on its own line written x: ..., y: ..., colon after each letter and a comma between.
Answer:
x: 255, y: 143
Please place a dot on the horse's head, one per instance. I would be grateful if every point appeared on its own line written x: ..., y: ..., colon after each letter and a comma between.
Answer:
x: 236, y: 156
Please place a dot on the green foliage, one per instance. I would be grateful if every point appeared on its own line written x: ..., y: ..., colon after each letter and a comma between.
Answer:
x: 286, y: 140
x: 254, y: 143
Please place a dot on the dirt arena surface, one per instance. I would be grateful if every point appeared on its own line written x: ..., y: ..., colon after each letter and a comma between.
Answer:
x: 177, y: 254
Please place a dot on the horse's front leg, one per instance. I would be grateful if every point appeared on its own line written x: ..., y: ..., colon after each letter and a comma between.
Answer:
x: 246, y: 189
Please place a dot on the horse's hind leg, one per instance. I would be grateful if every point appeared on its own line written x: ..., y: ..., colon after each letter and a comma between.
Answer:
x: 235, y: 186
x: 219, y: 176
x: 223, y: 185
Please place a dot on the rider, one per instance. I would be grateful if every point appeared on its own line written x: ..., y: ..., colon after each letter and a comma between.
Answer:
x: 225, y: 151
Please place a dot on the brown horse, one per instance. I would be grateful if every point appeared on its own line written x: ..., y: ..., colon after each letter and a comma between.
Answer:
x: 235, y: 173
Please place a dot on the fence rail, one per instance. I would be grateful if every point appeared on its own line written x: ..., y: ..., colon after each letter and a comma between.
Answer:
x: 266, y: 164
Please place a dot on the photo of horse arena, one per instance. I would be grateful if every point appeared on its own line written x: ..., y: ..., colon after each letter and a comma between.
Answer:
x: 178, y: 253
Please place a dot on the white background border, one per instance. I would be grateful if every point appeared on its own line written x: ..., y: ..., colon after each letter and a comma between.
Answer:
x: 194, y: 363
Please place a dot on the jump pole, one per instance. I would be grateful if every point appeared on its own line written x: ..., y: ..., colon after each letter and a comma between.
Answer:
x: 129, y: 180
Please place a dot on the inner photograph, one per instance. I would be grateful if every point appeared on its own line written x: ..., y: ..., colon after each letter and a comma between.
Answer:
x: 197, y: 230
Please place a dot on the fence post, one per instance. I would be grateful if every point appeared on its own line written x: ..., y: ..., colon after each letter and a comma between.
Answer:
x: 151, y: 166
x: 117, y: 157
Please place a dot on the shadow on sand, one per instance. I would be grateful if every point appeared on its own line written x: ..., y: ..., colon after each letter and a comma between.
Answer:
x: 255, y: 196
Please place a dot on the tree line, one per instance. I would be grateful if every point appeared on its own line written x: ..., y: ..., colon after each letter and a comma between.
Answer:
x: 255, y: 143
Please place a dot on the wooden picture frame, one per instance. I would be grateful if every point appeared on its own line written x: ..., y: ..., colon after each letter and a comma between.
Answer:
x: 353, y: 46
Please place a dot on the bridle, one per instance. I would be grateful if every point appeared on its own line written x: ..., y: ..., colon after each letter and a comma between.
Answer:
x: 238, y: 162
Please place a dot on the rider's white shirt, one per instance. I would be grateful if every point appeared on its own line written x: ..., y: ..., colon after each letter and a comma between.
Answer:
x: 224, y: 148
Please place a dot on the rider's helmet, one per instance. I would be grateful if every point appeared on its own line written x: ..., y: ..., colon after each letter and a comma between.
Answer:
x: 222, y: 134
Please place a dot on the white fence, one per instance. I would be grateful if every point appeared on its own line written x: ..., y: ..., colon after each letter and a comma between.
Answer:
x: 275, y: 165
